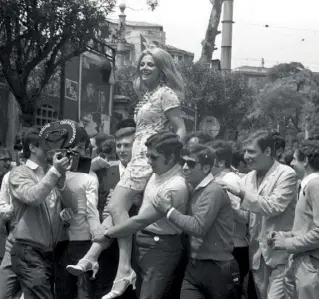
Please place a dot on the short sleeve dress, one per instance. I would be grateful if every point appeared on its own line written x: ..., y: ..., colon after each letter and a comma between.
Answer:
x: 150, y: 120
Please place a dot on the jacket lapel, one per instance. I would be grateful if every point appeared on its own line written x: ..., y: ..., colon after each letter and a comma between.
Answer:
x: 268, y: 177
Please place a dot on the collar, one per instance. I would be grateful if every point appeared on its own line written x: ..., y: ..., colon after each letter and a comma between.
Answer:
x: 307, y: 179
x: 207, y: 180
x: 32, y: 165
x: 173, y: 171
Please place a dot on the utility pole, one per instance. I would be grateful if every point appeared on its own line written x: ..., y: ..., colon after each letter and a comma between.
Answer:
x: 121, y: 38
x: 227, y: 35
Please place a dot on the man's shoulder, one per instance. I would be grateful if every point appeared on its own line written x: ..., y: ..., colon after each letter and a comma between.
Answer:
x: 313, y: 185
x: 285, y: 169
x: 19, y: 171
x: 177, y: 181
x: 214, y: 187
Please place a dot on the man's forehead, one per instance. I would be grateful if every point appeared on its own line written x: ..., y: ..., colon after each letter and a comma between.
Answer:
x: 125, y: 139
x: 190, y: 158
x: 251, y: 145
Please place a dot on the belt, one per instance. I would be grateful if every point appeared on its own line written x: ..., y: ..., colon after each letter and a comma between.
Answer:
x: 146, y: 232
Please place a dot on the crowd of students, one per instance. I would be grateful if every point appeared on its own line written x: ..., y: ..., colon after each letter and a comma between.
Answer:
x: 200, y: 227
x: 160, y: 214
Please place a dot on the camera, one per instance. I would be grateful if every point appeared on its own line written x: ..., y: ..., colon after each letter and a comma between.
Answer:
x: 61, y: 138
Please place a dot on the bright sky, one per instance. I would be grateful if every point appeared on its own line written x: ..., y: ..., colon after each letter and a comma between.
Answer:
x: 293, y: 34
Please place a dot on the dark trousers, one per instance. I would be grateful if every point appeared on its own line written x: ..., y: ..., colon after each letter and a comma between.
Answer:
x: 251, y: 289
x: 208, y: 279
x: 9, y: 283
x: 156, y: 258
x: 241, y: 255
x: 34, y: 269
x: 68, y: 286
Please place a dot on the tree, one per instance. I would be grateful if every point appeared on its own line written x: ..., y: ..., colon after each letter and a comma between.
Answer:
x: 290, y: 95
x: 39, y: 36
x: 208, y: 44
x: 226, y: 97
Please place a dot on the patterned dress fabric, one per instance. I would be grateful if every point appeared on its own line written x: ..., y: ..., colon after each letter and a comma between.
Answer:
x: 150, y: 119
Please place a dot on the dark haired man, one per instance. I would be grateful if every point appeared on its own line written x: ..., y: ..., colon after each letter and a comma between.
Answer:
x: 209, y: 224
x: 37, y: 204
x: 268, y: 192
x: 9, y: 283
x: 280, y: 145
x: 159, y: 243
x: 303, y: 240
x: 5, y: 160
x: 83, y: 225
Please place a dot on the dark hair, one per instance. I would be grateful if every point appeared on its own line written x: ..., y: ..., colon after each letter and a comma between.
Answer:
x: 223, y: 151
x: 124, y: 132
x: 279, y: 141
x: 202, y: 152
x: 84, y: 137
x: 310, y: 148
x: 126, y: 123
x: 288, y: 156
x: 166, y: 143
x: 101, y: 137
x: 264, y: 140
x: 237, y: 158
x: 202, y: 136
x: 31, y: 136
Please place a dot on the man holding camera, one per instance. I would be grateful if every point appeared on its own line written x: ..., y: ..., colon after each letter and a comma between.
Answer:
x: 38, y: 191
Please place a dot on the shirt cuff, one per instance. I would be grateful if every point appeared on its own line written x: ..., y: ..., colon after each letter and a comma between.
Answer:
x: 169, y: 212
x: 55, y: 171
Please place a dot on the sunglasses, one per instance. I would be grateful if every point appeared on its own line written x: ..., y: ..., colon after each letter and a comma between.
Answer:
x: 152, y: 157
x: 190, y: 164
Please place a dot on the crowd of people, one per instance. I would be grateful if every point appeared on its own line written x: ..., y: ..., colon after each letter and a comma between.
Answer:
x: 162, y: 213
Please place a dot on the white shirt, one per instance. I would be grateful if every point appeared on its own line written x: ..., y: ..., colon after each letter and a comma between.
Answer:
x: 121, y: 169
x: 240, y: 236
x: 307, y: 179
x: 171, y: 181
x: 86, y: 221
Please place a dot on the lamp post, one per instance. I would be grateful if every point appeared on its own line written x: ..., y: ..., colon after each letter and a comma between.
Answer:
x: 121, y: 38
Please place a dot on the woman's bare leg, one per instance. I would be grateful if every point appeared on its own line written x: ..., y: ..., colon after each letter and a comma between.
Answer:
x: 120, y: 204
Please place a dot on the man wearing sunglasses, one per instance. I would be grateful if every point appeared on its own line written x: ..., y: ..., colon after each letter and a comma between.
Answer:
x: 158, y: 242
x: 209, y: 224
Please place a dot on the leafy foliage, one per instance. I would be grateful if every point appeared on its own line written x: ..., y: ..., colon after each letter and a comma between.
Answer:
x: 38, y: 36
x: 291, y: 96
x: 224, y: 96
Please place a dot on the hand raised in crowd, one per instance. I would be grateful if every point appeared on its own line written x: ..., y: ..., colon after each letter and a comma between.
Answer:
x: 67, y: 214
x: 62, y: 165
x: 163, y: 201
x: 235, y: 190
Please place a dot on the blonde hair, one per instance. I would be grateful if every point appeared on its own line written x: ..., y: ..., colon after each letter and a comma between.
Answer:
x: 165, y: 63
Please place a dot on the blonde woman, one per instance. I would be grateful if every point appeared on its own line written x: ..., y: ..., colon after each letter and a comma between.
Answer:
x: 159, y: 109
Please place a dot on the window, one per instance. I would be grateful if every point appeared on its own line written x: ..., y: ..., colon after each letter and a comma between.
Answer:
x: 45, y: 114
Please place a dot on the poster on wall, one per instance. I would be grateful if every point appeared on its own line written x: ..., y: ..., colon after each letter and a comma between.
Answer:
x: 95, y: 93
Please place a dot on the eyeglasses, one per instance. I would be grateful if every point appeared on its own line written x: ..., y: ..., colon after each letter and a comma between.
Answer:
x: 152, y: 157
x: 190, y: 163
